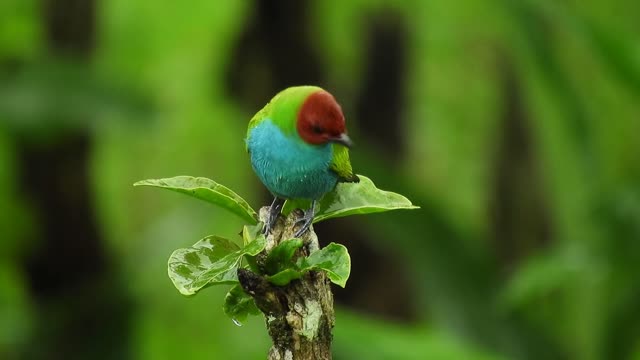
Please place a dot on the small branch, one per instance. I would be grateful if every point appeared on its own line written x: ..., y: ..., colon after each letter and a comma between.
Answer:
x: 299, y: 316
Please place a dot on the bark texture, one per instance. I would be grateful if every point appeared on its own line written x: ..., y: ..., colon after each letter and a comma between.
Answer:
x: 300, y: 315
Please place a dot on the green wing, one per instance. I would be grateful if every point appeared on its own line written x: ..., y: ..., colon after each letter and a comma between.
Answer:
x: 341, y: 165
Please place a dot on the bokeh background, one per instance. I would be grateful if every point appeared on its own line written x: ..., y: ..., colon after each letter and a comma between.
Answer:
x: 515, y: 125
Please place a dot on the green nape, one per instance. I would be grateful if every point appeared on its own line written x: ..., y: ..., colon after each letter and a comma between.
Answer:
x: 283, y: 109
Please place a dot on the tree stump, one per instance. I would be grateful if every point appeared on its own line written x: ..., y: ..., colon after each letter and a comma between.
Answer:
x: 300, y: 315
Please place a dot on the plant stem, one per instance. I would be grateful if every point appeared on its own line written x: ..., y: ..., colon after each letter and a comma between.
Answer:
x: 299, y: 316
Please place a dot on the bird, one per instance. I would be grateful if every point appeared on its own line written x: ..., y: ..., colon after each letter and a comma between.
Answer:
x: 299, y: 149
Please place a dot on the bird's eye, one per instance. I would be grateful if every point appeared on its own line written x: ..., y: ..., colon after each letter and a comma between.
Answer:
x: 316, y: 129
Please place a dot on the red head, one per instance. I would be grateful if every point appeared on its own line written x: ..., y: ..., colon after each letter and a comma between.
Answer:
x: 320, y: 120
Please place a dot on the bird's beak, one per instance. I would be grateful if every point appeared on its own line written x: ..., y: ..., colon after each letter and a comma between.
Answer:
x: 343, y: 139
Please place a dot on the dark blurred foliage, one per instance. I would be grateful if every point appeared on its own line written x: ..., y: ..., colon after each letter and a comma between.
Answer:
x: 513, y: 124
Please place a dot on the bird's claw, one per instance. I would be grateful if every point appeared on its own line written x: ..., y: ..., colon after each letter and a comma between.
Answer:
x: 268, y: 226
x: 306, y: 224
x: 306, y: 220
x: 274, y: 212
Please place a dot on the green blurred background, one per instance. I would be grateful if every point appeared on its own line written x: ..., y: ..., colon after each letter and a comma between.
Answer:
x: 513, y: 124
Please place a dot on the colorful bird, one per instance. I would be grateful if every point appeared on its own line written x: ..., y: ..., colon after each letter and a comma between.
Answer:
x: 298, y: 146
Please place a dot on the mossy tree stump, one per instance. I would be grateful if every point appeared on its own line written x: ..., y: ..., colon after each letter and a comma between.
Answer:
x: 300, y: 315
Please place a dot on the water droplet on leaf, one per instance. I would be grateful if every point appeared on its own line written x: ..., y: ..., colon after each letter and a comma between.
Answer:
x: 238, y: 323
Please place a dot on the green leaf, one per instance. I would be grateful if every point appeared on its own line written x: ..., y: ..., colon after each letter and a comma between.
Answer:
x: 254, y: 247
x: 207, y: 190
x: 280, y: 256
x: 251, y: 232
x: 334, y: 259
x: 238, y: 305
x: 351, y: 199
x: 284, y: 277
x: 211, y: 261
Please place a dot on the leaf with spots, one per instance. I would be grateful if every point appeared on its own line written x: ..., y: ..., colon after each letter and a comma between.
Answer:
x: 211, y: 261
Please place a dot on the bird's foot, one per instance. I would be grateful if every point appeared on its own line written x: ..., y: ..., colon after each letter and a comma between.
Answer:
x: 274, y: 212
x: 306, y: 220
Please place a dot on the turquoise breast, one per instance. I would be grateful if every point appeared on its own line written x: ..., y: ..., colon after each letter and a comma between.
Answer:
x: 289, y: 167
